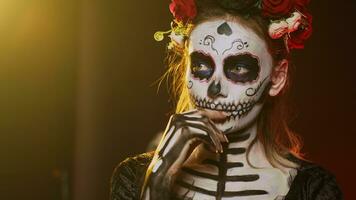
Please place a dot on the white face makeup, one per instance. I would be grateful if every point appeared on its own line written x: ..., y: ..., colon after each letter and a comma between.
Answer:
x: 229, y: 70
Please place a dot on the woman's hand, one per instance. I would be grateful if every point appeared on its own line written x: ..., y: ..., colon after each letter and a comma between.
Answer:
x: 183, y: 134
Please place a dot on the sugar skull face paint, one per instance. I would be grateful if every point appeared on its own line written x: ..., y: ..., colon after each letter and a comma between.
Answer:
x: 229, y: 69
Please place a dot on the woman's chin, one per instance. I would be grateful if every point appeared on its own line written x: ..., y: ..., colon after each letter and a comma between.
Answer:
x: 221, y: 119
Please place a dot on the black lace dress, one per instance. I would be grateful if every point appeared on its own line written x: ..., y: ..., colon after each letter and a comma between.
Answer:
x: 311, y: 183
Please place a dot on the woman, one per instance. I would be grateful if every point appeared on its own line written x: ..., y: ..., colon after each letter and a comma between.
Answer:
x: 229, y: 68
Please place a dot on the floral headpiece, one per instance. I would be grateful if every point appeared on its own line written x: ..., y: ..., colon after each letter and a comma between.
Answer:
x: 289, y: 19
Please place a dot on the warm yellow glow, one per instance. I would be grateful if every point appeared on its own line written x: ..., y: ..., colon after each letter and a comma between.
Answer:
x: 23, y: 21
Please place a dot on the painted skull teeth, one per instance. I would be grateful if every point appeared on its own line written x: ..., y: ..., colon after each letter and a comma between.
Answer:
x: 235, y: 110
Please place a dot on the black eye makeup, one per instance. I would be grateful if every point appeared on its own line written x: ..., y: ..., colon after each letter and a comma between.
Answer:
x: 202, y: 66
x: 241, y: 68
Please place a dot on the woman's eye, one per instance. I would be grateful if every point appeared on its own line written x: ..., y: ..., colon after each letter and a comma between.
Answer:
x: 202, y: 66
x: 202, y: 71
x: 240, y: 70
x: 199, y: 67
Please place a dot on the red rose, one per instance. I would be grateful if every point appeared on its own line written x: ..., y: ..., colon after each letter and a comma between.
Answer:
x: 183, y: 10
x: 277, y: 8
x: 297, y: 38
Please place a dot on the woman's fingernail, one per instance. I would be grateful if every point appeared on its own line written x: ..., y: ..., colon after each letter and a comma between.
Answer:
x: 227, y: 140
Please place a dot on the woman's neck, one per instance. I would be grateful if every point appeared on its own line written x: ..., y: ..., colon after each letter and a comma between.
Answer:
x: 239, y: 146
x: 243, y: 149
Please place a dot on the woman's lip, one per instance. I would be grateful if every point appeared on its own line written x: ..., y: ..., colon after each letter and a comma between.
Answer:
x: 215, y: 115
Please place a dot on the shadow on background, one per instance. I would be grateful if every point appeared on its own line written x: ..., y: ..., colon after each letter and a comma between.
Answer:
x: 76, y: 95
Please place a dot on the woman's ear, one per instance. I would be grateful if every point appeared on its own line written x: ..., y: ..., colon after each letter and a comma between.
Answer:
x: 279, y: 78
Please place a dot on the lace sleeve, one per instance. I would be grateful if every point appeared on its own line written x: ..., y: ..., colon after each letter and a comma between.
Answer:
x: 128, y: 177
x: 323, y: 186
x: 314, y: 183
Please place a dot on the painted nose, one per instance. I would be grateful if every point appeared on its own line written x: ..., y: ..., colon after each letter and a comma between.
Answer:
x: 214, y: 90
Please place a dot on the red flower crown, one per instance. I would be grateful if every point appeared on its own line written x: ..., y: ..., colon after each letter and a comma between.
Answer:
x: 289, y: 18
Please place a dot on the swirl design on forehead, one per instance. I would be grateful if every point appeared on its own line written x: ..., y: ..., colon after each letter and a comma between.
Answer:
x: 209, y: 40
x: 223, y: 30
x: 240, y: 45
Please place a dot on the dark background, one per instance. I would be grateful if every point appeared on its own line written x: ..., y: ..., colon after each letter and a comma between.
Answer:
x: 76, y: 93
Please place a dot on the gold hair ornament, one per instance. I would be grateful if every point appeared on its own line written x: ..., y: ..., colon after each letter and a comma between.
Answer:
x: 178, y: 28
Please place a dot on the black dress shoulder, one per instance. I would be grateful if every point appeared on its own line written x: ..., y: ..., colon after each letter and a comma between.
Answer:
x: 311, y: 183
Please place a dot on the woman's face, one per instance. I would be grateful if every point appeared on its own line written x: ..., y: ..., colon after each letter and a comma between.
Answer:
x: 229, y: 69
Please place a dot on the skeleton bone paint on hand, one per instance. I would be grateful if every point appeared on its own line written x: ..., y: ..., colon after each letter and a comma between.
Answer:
x: 184, y: 132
